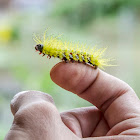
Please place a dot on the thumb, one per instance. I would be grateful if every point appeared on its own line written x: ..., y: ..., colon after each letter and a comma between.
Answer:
x: 36, y: 117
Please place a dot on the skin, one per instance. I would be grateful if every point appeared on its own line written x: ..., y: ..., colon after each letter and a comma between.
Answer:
x: 115, y: 117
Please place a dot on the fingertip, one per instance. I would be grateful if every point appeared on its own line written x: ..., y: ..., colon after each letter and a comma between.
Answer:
x: 56, y: 70
x: 73, y: 76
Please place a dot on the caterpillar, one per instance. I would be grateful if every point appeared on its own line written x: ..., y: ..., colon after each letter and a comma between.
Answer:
x: 67, y: 51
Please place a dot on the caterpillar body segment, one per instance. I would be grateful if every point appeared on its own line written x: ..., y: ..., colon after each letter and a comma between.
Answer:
x: 71, y: 52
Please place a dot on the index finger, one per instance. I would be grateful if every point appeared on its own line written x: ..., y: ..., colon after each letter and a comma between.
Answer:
x: 113, y: 97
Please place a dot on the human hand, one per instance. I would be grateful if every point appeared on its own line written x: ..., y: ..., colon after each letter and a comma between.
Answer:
x: 115, y: 117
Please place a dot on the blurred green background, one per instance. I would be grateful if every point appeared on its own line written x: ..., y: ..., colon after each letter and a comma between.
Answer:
x: 113, y: 23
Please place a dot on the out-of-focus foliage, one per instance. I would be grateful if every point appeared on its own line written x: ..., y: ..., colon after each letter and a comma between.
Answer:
x: 8, y: 33
x: 82, y: 12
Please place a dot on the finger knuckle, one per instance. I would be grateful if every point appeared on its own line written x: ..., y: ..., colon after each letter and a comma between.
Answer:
x: 36, y: 113
x: 22, y: 97
x: 17, y: 99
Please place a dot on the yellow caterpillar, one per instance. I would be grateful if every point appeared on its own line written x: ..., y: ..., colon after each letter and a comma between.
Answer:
x: 70, y: 52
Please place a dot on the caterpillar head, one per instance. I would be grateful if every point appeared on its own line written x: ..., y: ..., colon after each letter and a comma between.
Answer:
x: 39, y: 47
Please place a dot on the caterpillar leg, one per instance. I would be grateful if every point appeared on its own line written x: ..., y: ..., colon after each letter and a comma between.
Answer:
x: 64, y: 59
x: 48, y: 56
x: 94, y: 66
x: 43, y: 54
x: 71, y: 60
x: 84, y: 62
x: 79, y: 61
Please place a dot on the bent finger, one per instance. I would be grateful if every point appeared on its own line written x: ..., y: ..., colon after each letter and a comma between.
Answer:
x: 85, y: 122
